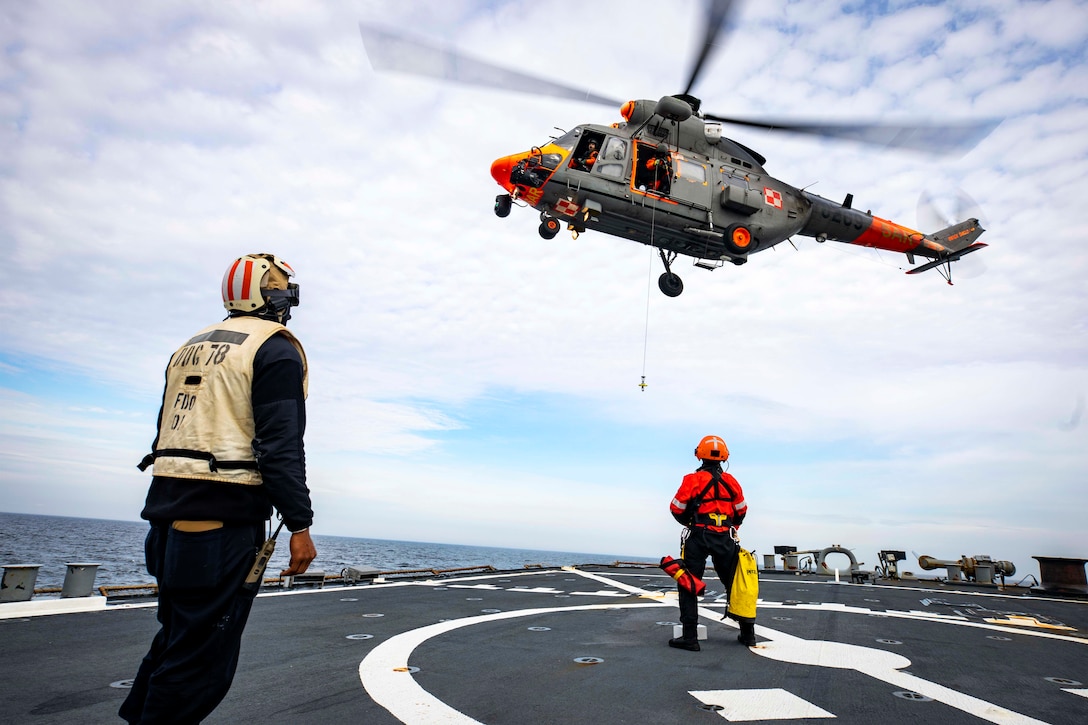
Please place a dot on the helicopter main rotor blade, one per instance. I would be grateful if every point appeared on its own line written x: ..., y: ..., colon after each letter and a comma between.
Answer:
x: 936, y: 138
x: 717, y: 12
x: 389, y: 50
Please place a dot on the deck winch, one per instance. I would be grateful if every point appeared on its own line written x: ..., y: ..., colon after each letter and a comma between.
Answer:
x: 979, y: 568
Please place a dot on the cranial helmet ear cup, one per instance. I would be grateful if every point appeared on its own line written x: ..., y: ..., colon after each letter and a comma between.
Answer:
x: 277, y: 278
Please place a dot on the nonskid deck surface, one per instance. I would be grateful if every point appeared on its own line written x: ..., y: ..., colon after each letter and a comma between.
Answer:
x: 587, y: 645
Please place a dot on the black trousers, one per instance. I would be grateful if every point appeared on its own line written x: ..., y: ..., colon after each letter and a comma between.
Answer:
x: 694, y: 550
x: 203, y: 611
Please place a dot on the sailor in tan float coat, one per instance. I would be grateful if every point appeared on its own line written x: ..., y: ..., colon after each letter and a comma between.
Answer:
x: 208, y: 407
x: 229, y: 448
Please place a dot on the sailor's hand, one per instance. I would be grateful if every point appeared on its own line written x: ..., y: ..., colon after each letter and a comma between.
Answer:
x: 303, y: 552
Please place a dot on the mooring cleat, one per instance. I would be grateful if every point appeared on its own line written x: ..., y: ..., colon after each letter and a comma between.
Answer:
x: 691, y: 644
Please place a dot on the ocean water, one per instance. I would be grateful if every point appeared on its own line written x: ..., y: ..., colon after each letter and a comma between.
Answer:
x: 118, y: 547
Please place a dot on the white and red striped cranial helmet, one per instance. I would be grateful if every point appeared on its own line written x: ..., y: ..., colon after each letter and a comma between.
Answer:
x: 260, y: 283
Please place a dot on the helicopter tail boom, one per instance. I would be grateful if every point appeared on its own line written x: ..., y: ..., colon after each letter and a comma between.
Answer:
x: 829, y: 220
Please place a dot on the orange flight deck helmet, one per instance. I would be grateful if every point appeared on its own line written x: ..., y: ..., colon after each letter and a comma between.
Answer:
x: 712, y: 448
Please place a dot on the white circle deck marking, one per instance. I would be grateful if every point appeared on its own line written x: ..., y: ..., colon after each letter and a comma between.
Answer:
x: 837, y: 655
x: 385, y: 673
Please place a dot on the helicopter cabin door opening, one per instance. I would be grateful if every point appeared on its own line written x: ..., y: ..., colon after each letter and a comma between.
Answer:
x: 653, y: 170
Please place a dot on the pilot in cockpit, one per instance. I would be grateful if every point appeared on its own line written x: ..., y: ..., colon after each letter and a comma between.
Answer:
x: 587, y: 159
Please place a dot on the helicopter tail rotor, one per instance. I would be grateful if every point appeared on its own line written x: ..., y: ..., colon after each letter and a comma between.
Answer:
x: 931, y: 217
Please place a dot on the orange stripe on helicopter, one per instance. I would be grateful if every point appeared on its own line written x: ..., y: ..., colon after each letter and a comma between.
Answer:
x: 884, y: 234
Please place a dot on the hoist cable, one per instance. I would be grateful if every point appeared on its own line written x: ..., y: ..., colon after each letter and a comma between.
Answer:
x: 649, y: 292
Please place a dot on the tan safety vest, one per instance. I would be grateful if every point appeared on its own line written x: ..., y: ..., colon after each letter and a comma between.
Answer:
x: 207, y: 425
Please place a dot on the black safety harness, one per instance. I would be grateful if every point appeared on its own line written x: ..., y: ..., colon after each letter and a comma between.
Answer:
x: 718, y: 483
x: 214, y: 465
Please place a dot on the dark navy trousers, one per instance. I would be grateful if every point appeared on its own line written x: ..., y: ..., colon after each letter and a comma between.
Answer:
x: 203, y: 611
x: 694, y: 549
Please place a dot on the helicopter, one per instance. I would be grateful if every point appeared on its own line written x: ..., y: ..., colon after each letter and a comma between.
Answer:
x: 666, y: 176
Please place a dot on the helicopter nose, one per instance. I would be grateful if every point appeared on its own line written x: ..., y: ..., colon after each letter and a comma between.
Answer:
x: 501, y: 168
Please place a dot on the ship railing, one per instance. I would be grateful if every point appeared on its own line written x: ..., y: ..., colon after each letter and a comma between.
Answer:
x: 133, y: 591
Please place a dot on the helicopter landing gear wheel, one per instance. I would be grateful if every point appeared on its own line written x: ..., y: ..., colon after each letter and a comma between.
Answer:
x: 670, y: 284
x: 738, y: 239
x: 503, y: 202
x: 549, y: 228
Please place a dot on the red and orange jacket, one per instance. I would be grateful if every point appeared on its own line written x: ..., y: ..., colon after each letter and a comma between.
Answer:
x: 709, y: 499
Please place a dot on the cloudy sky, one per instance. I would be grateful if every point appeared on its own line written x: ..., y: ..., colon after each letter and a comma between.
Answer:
x: 473, y: 383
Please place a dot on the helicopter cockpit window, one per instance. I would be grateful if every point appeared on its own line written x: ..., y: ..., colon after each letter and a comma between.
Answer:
x: 611, y: 161
x: 568, y: 140
x: 615, y: 149
x: 588, y: 150
x: 653, y: 170
x: 551, y: 161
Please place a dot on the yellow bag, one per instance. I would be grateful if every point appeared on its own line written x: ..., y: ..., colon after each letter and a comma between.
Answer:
x: 745, y: 590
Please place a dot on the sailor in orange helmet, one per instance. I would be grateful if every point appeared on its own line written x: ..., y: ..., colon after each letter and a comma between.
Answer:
x: 710, y: 504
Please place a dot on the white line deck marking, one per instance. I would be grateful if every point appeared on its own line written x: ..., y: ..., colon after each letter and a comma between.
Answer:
x: 1082, y: 693
x: 536, y: 590
x: 880, y: 665
x: 926, y: 617
x: 746, y: 705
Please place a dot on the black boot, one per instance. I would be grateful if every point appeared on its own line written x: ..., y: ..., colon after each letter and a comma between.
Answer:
x: 747, y: 636
x: 689, y: 640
